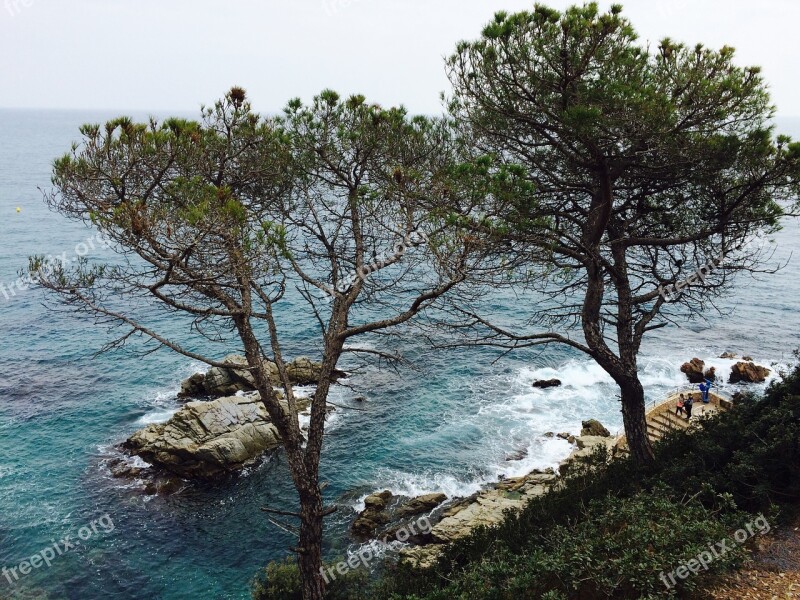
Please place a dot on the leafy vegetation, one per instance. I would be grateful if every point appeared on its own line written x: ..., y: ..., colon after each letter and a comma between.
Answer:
x: 613, y: 528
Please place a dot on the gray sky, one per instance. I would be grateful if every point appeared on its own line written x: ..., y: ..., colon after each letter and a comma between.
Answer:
x: 176, y: 54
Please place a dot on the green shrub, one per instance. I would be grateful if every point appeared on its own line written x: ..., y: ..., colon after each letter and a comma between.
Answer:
x: 618, y: 550
x: 281, y: 581
x: 278, y: 581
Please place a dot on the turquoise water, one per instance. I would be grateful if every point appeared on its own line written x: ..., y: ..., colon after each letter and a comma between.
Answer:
x: 444, y: 425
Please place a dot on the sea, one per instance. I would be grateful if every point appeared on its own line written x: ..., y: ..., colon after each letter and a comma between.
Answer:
x: 448, y: 421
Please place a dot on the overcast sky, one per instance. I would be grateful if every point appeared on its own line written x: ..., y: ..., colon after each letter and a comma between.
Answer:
x: 176, y: 54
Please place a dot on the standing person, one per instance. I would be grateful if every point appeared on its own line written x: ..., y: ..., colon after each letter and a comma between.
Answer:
x: 704, y: 389
x: 679, y: 406
x: 687, y: 406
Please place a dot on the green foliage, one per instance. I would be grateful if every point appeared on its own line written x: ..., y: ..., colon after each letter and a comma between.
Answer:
x: 617, y: 550
x: 281, y: 581
x: 663, y: 138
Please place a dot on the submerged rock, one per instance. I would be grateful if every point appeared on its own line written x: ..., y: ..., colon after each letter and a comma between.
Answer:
x: 694, y: 370
x: 517, y: 455
x: 206, y: 439
x: 748, y: 372
x: 728, y: 355
x: 121, y: 468
x: 546, y: 383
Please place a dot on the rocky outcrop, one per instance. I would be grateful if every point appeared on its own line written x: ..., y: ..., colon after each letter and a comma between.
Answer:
x: 382, y: 508
x: 694, y: 370
x: 207, y: 439
x: 303, y: 371
x: 487, y: 507
x: 593, y: 427
x: 586, y: 446
x: 228, y: 380
x: 710, y: 374
x: 373, y: 516
x: 728, y: 355
x: 546, y: 383
x: 748, y: 372
x: 419, y: 505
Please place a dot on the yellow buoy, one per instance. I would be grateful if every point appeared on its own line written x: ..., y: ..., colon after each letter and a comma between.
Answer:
x: 19, y: 209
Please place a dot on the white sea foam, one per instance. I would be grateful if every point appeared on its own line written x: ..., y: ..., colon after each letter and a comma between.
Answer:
x: 511, y: 418
x: 161, y: 415
x: 417, y: 484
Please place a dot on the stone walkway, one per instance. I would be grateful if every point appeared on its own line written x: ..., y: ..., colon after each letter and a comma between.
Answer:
x: 661, y: 418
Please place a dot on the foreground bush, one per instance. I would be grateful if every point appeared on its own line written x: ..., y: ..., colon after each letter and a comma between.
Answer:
x: 618, y: 551
x: 281, y: 581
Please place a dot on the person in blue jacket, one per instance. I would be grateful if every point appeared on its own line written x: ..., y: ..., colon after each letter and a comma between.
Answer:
x: 704, y: 388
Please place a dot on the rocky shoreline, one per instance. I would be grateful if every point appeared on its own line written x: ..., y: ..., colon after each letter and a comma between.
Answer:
x: 455, y: 518
x: 228, y: 429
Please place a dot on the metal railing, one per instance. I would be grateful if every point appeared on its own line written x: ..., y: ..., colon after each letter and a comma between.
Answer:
x: 669, y: 396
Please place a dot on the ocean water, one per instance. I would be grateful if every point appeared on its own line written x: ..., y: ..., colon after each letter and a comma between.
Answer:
x: 446, y: 423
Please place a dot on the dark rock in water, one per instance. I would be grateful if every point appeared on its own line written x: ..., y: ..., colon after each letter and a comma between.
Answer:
x: 694, y: 370
x: 549, y: 434
x: 727, y: 355
x: 120, y: 468
x: 564, y: 435
x: 382, y: 508
x: 748, y: 372
x: 360, y: 399
x: 373, y: 516
x: 193, y: 387
x: 163, y: 486
x: 407, y: 532
x: 420, y: 504
x: 747, y: 358
x: 711, y: 374
x: 517, y: 455
x: 594, y: 428
x: 546, y: 383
